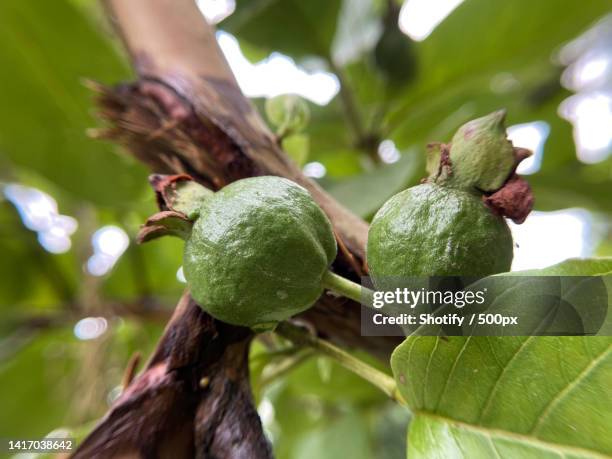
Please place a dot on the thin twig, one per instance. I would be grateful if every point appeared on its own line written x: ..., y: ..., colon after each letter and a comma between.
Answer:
x: 352, y: 113
x: 301, y: 336
x: 363, y: 137
x: 273, y: 372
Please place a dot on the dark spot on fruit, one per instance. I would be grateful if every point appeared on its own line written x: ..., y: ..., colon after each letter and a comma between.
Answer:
x: 469, y: 132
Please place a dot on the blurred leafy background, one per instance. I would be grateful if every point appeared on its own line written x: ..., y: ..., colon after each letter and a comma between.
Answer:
x: 382, y: 78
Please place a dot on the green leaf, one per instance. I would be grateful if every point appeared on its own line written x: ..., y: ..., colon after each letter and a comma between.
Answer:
x: 582, y: 267
x: 35, y: 381
x: 365, y: 193
x: 497, y: 38
x: 49, y: 47
x: 331, y: 441
x: 293, y: 27
x: 528, y: 397
x: 572, y: 267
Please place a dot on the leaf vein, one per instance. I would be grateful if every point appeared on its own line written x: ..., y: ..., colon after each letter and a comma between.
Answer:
x: 450, y: 374
x: 426, y: 378
x: 492, y: 433
x: 493, y: 447
x: 411, y: 382
x: 489, y: 400
x: 575, y: 382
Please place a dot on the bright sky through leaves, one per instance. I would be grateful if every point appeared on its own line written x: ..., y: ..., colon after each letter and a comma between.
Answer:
x: 418, y: 18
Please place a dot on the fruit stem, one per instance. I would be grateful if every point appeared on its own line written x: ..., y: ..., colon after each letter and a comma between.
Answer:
x: 272, y: 372
x: 345, y: 287
x: 302, y: 337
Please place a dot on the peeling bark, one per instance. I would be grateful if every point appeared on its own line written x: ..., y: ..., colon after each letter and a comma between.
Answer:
x: 192, y: 400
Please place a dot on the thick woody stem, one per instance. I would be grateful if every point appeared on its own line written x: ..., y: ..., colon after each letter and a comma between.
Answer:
x: 192, y: 400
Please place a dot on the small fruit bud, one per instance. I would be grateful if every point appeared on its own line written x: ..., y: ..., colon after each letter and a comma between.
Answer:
x: 288, y: 113
x: 481, y: 156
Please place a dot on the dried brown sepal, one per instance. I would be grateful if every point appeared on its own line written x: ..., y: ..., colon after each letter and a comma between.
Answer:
x: 179, y: 197
x: 446, y: 166
x: 165, y: 223
x: 520, y: 154
x: 438, y: 160
x: 165, y: 188
x: 514, y: 200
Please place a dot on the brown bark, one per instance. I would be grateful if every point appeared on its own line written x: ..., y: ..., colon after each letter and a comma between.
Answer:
x: 186, y: 115
x: 192, y: 400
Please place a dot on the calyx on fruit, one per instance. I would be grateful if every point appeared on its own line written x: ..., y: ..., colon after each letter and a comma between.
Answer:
x: 480, y: 155
x: 481, y: 160
x: 452, y: 224
x: 258, y: 251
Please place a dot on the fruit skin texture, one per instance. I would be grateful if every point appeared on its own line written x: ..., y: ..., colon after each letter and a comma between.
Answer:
x: 258, y: 251
x: 431, y: 230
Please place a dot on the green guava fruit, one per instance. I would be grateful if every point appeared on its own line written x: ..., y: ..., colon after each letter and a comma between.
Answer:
x: 453, y: 224
x: 433, y: 230
x: 258, y: 251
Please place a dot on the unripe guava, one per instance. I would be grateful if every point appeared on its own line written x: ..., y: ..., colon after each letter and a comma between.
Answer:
x: 433, y: 230
x: 258, y: 251
x: 453, y: 224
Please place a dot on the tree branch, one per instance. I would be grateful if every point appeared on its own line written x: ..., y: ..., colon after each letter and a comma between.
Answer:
x: 187, y: 115
x: 364, y: 139
x: 192, y: 400
x: 176, y: 53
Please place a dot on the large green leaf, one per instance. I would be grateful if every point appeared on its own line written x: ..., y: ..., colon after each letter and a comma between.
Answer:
x: 582, y: 267
x: 48, y: 47
x: 365, y: 193
x: 498, y: 37
x: 572, y: 267
x: 330, y: 442
x: 293, y: 27
x: 528, y: 397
